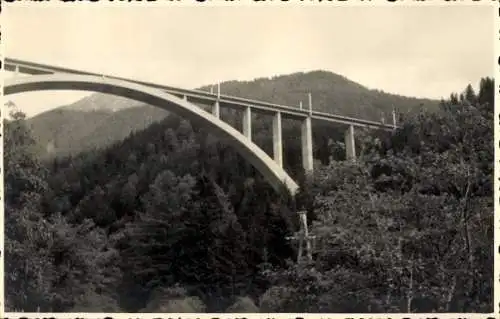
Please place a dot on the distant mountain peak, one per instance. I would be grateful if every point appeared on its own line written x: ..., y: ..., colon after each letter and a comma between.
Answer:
x: 102, y: 102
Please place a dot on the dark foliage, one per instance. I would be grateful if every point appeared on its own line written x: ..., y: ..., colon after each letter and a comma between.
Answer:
x: 172, y: 220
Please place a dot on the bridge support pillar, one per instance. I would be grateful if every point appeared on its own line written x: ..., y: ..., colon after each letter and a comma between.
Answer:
x: 247, y: 123
x: 394, y: 117
x: 307, y: 149
x: 277, y: 140
x: 216, y: 109
x: 350, y: 146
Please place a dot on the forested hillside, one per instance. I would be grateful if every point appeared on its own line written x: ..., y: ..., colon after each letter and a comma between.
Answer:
x: 331, y: 93
x: 68, y: 131
x: 172, y: 220
x: 99, y: 120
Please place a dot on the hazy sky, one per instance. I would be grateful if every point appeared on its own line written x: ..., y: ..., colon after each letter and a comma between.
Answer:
x: 417, y: 51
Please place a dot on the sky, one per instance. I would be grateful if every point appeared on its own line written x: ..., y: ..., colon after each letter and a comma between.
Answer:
x: 426, y: 51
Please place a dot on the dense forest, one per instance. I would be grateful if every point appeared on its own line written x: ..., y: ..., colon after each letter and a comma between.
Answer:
x: 172, y: 220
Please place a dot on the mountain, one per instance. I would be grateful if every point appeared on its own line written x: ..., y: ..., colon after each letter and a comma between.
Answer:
x: 64, y: 131
x: 100, y: 119
x: 102, y: 102
x: 330, y: 92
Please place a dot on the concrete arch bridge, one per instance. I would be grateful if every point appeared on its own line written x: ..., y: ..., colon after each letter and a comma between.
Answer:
x: 182, y: 102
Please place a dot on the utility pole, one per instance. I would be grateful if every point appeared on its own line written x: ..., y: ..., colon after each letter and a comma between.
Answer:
x: 304, y: 239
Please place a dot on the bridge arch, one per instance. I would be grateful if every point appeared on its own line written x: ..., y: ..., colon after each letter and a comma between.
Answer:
x: 271, y: 171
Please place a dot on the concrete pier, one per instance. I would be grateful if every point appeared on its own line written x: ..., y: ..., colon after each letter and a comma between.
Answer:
x: 307, y: 149
x: 394, y: 117
x: 216, y: 109
x: 216, y: 106
x: 350, y: 146
x: 247, y: 123
x: 277, y: 140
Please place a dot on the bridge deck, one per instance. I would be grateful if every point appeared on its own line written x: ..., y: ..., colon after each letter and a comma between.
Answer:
x: 197, y: 96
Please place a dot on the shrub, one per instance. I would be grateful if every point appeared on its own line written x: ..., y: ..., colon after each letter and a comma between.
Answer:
x: 243, y: 305
x: 174, y: 299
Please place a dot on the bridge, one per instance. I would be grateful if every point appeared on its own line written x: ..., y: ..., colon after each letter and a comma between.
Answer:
x: 186, y: 103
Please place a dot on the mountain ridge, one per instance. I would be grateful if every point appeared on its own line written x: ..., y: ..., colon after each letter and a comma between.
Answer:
x: 102, y: 102
x: 100, y: 119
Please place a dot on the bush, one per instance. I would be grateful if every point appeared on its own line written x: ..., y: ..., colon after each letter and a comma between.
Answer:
x: 276, y: 299
x: 185, y: 305
x: 174, y: 300
x: 243, y: 305
x: 93, y: 302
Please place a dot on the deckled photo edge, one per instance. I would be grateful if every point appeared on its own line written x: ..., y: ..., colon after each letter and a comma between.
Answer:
x: 496, y: 251
x: 2, y: 210
x: 495, y: 314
